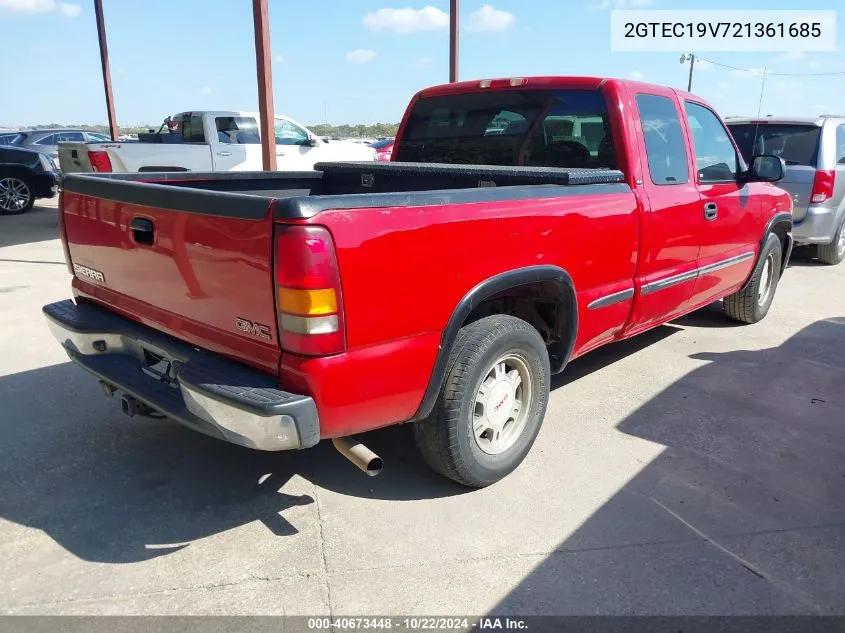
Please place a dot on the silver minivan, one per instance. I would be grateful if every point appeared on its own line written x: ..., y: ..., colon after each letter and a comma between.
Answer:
x: 814, y: 151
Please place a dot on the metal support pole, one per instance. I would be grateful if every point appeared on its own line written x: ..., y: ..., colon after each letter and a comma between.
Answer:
x: 691, y: 66
x: 265, y: 84
x: 453, y: 40
x: 104, y: 60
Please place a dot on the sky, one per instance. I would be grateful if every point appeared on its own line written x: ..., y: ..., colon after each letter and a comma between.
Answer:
x: 358, y: 61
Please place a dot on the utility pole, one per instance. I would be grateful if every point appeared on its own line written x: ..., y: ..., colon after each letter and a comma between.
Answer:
x: 691, y: 59
x: 454, y: 10
x: 265, y: 84
x: 104, y: 61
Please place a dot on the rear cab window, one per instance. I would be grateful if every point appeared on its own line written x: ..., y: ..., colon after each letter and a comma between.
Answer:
x: 543, y: 128
x: 189, y: 126
x: 237, y: 130
x: 797, y: 144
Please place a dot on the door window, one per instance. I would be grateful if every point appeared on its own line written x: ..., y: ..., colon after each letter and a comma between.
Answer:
x: 61, y: 137
x: 666, y: 150
x: 288, y: 133
x: 715, y: 157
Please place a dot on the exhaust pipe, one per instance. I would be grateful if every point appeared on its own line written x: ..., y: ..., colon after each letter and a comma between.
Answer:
x: 359, y: 455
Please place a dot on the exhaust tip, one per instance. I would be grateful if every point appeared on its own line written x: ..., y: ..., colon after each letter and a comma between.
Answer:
x: 362, y: 457
x: 374, y: 466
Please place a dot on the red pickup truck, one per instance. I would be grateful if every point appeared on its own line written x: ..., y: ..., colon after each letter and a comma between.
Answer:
x: 523, y: 223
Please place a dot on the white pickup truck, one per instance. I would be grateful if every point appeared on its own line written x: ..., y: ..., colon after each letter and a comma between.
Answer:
x: 210, y: 141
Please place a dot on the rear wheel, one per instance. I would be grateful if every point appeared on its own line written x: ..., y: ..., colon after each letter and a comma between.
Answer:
x: 752, y: 303
x: 492, y: 402
x: 15, y: 195
x: 834, y: 252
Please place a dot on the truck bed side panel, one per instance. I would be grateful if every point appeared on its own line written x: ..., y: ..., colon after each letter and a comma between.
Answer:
x: 133, y: 157
x: 405, y: 269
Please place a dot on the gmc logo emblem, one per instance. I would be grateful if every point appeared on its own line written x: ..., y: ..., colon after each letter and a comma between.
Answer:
x: 84, y: 271
x: 258, y: 330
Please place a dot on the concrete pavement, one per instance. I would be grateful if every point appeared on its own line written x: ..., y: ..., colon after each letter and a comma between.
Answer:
x: 697, y: 469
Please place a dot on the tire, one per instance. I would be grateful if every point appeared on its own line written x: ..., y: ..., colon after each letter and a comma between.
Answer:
x: 15, y: 195
x: 752, y: 303
x: 468, y: 437
x: 834, y: 252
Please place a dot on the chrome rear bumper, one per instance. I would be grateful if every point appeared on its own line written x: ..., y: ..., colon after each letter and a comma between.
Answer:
x: 207, y: 392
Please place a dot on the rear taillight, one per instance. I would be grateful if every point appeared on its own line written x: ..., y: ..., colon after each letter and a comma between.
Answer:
x: 308, y: 298
x: 100, y: 161
x: 823, y: 185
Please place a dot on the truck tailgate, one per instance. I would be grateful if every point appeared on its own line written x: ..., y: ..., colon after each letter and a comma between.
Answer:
x: 73, y: 158
x: 199, y: 269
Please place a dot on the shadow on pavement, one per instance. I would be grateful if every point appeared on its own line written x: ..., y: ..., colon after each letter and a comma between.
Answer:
x: 803, y: 257
x: 743, y: 512
x: 609, y: 354
x: 105, y: 486
x: 712, y: 316
x: 36, y: 225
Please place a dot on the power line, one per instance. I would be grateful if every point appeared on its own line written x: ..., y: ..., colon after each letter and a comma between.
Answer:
x: 757, y: 71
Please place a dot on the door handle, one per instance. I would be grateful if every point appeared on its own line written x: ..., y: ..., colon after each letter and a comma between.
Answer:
x: 711, y: 211
x: 224, y: 153
x: 279, y: 153
x: 143, y: 230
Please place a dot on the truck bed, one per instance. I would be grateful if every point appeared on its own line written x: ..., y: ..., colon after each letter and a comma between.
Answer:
x: 247, y: 195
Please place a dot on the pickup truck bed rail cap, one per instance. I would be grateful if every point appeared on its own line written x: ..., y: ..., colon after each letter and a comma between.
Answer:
x: 246, y: 195
x: 487, y: 183
x: 307, y: 207
x: 561, y: 175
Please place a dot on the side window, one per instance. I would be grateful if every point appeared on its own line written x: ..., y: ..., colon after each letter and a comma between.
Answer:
x: 70, y: 137
x: 840, y: 145
x: 289, y: 134
x: 98, y: 138
x: 237, y: 130
x: 47, y: 140
x: 192, y: 131
x: 715, y: 157
x: 664, y: 140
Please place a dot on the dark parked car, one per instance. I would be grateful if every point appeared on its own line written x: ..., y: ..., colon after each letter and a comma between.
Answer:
x: 24, y: 176
x: 47, y: 141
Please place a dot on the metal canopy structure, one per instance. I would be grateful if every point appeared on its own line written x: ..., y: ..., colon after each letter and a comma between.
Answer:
x: 264, y: 70
x: 104, y: 61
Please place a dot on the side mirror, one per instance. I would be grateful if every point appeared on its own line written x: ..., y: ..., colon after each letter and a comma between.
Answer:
x: 312, y: 141
x: 766, y: 168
